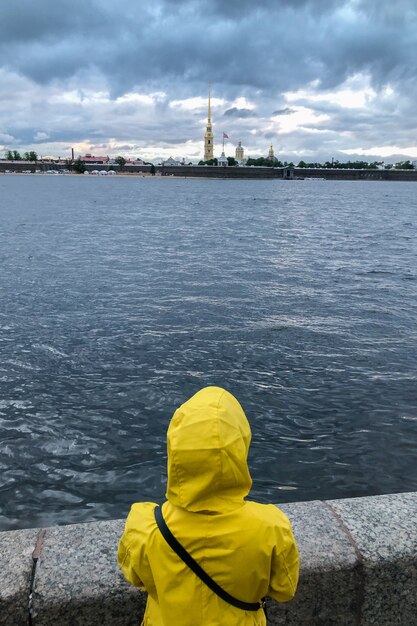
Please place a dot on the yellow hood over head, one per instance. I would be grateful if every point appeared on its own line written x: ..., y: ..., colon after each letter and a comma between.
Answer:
x: 208, y: 444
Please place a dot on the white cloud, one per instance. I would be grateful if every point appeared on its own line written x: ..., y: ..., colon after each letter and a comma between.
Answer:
x: 384, y: 151
x: 197, y: 103
x: 41, y: 136
x: 354, y: 93
x: 6, y: 138
x: 243, y: 103
x: 300, y: 119
x: 141, y: 98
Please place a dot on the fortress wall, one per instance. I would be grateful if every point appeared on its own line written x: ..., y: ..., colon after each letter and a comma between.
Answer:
x: 358, y: 567
x: 353, y: 174
x: 199, y: 171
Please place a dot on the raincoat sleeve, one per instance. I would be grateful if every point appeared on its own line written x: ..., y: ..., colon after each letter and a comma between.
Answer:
x: 132, y: 555
x: 285, y: 564
x: 127, y: 565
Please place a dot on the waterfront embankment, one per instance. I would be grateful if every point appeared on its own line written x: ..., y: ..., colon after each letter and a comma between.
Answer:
x: 358, y: 567
x: 199, y: 171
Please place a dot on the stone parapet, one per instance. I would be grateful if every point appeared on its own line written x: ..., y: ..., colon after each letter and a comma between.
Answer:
x: 358, y: 567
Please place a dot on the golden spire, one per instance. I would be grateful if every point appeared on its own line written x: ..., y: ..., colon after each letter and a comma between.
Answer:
x: 208, y: 135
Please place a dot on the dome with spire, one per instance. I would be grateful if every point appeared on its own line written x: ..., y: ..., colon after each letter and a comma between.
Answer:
x: 271, y: 156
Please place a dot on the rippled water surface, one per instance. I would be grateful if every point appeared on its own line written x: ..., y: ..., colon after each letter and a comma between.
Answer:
x: 121, y: 297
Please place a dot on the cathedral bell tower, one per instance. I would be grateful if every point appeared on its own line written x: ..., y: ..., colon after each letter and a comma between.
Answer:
x: 239, y: 152
x: 208, y: 135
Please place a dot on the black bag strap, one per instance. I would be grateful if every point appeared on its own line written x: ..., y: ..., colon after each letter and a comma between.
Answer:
x: 195, y: 567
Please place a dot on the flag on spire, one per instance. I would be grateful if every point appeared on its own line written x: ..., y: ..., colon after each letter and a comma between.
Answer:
x: 225, y: 136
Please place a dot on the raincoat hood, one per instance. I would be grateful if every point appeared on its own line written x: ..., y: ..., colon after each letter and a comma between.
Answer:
x: 208, y: 444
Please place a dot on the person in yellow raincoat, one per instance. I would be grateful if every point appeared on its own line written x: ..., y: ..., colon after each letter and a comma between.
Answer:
x: 245, y: 547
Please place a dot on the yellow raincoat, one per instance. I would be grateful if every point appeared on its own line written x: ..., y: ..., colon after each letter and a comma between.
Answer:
x: 247, y: 548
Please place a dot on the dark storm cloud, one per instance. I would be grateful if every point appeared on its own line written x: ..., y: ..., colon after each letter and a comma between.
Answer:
x: 239, y: 113
x: 286, y: 111
x: 270, y: 135
x: 280, y: 45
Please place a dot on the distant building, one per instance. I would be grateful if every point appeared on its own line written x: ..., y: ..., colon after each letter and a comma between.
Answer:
x: 95, y: 160
x: 169, y: 162
x: 134, y: 162
x: 240, y: 157
x: 222, y: 160
x: 208, y: 135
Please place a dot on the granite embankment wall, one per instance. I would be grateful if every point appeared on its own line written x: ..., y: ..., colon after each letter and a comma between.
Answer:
x: 353, y: 174
x: 196, y: 171
x: 287, y: 173
x: 358, y: 567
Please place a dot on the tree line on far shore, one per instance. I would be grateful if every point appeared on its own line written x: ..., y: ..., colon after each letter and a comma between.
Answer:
x: 14, y: 155
x: 78, y: 165
x: 359, y: 165
x: 354, y: 165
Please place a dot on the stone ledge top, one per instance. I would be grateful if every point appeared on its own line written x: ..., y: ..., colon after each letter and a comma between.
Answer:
x: 78, y: 580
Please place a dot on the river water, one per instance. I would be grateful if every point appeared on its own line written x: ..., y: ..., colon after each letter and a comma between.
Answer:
x: 120, y: 297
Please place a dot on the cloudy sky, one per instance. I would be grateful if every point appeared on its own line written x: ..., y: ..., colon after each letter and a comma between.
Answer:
x: 318, y: 79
